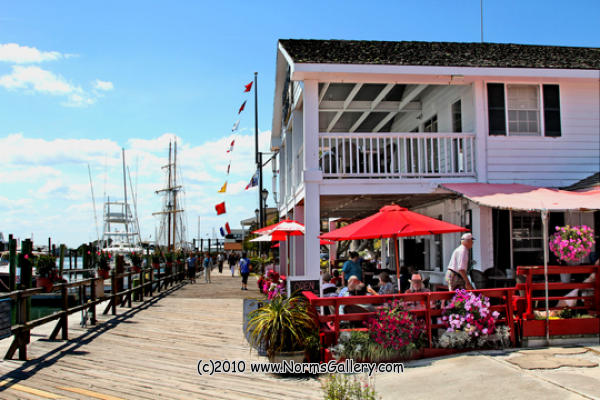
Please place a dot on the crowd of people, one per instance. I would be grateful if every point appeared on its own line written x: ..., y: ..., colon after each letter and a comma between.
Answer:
x: 204, y: 263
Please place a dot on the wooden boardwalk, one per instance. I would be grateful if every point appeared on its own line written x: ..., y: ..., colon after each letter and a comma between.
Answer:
x: 151, y: 351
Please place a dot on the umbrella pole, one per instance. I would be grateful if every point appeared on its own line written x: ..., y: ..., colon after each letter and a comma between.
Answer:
x: 397, y: 256
x: 545, y: 244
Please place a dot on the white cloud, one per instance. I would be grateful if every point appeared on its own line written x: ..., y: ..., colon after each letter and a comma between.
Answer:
x: 37, y: 79
x: 14, y: 53
x: 30, y: 174
x: 103, y: 85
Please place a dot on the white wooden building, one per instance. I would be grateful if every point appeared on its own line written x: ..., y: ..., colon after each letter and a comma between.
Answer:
x: 359, y: 124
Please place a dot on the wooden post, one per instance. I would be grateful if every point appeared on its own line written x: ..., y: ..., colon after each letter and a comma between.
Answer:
x: 70, y: 258
x: 12, y: 259
x: 129, y: 288
x: 152, y: 280
x: 49, y: 246
x: 113, y: 289
x: 61, y: 262
x: 65, y: 318
x: 26, y: 272
x: 93, y: 299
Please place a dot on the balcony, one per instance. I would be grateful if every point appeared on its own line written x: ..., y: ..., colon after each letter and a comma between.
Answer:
x: 396, y: 155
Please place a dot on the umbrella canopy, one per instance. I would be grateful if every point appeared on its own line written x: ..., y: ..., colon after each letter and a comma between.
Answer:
x: 321, y: 242
x: 282, y: 229
x: 262, y: 238
x: 392, y: 221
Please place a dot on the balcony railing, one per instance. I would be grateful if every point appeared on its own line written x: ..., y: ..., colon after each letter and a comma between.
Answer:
x: 397, y: 155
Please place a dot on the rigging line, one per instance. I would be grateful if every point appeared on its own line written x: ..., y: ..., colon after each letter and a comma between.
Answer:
x: 94, y: 204
x: 134, y: 198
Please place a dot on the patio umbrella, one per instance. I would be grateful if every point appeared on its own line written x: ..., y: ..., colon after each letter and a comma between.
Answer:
x: 393, y: 222
x: 282, y: 231
x: 321, y: 242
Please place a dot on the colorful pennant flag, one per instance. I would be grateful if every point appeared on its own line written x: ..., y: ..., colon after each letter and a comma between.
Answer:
x: 223, y: 188
x: 220, y: 208
x: 235, y: 126
x: 242, y: 107
x: 222, y: 231
x: 253, y: 181
x: 227, y: 228
x: 231, y: 146
x: 248, y: 87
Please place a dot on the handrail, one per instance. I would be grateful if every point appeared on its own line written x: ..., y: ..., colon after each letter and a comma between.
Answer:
x: 21, y: 330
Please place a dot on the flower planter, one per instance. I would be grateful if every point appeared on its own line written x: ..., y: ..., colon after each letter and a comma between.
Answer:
x: 296, y: 356
x: 560, y: 327
x: 45, y: 283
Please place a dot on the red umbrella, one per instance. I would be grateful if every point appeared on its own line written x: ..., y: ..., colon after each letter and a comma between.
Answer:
x: 392, y: 222
x: 321, y: 242
x: 282, y: 231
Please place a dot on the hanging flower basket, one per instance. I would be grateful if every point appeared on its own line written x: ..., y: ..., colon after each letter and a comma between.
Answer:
x: 571, y: 243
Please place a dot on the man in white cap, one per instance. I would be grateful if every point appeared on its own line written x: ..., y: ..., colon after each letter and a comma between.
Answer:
x: 456, y: 276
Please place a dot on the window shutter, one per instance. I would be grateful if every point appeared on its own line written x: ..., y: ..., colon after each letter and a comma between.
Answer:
x: 496, y: 111
x: 552, y: 110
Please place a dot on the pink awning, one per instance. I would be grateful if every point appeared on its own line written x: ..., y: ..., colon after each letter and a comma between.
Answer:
x: 515, y: 196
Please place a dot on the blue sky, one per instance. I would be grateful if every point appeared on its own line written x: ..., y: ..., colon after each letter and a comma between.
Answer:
x: 79, y: 80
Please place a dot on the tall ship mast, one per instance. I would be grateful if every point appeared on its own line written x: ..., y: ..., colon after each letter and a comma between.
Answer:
x: 171, y: 234
x: 121, y: 229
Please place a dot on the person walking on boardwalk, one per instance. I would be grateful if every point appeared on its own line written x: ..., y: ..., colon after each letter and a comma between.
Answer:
x: 456, y: 276
x: 191, y: 262
x: 208, y: 266
x: 244, y: 270
x: 232, y: 261
x: 220, y: 261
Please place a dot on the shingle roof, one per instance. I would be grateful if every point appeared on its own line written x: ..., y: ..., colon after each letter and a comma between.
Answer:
x: 498, y: 55
x: 590, y: 182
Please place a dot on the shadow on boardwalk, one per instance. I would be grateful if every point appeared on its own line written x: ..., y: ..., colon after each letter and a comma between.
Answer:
x: 152, y: 351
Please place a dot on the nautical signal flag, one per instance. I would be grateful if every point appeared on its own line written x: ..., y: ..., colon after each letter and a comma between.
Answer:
x: 235, y: 126
x: 227, y: 228
x: 253, y: 181
x: 228, y: 166
x: 223, y: 188
x: 231, y: 146
x: 242, y: 107
x: 220, y: 208
x: 248, y: 87
x: 222, y: 231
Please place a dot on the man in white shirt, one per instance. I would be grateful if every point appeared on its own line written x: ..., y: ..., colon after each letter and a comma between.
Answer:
x: 456, y: 276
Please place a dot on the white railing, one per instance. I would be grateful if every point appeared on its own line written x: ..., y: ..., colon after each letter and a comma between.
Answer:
x: 397, y: 155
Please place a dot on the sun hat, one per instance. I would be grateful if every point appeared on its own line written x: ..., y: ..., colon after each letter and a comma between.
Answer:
x: 467, y: 236
x: 416, y: 277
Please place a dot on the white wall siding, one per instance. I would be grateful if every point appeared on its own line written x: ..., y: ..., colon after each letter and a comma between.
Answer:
x: 553, y: 162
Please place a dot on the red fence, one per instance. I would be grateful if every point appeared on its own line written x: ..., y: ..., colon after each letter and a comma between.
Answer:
x: 428, y: 308
x: 516, y: 305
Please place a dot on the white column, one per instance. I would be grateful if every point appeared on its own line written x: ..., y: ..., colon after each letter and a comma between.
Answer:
x: 312, y: 177
x: 298, y: 247
x: 384, y: 252
x: 481, y: 130
x: 332, y: 247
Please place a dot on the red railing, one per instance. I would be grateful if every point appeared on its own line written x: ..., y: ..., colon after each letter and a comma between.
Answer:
x: 429, y: 308
x: 536, y: 301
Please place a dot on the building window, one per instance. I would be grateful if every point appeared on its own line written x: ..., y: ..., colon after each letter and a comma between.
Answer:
x: 457, y: 117
x: 519, y: 114
x: 431, y: 125
x: 523, y: 110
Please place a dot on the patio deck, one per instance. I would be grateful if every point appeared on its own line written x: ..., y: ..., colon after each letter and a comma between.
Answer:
x: 151, y: 352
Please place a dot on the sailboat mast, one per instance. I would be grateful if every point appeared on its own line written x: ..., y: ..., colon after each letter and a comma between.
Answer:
x: 174, y: 194
x: 125, y: 195
x: 169, y: 204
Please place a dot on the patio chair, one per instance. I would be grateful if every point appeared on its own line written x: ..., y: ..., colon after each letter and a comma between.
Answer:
x: 479, y: 279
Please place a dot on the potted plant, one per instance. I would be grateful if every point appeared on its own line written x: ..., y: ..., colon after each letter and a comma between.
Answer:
x: 103, y: 266
x: 283, y: 327
x: 46, y: 272
x: 136, y: 261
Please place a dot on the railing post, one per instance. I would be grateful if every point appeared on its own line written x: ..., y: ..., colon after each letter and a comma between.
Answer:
x: 510, y: 316
x: 93, y: 299
x: 12, y: 259
x: 23, y: 336
x: 64, y: 319
x: 428, y: 319
x: 113, y: 290
x: 142, y: 287
x: 152, y: 280
x: 129, y: 288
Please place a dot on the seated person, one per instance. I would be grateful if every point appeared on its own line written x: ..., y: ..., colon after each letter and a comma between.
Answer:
x: 355, y: 288
x: 416, y: 286
x: 335, y: 279
x: 385, y: 285
x: 329, y: 289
